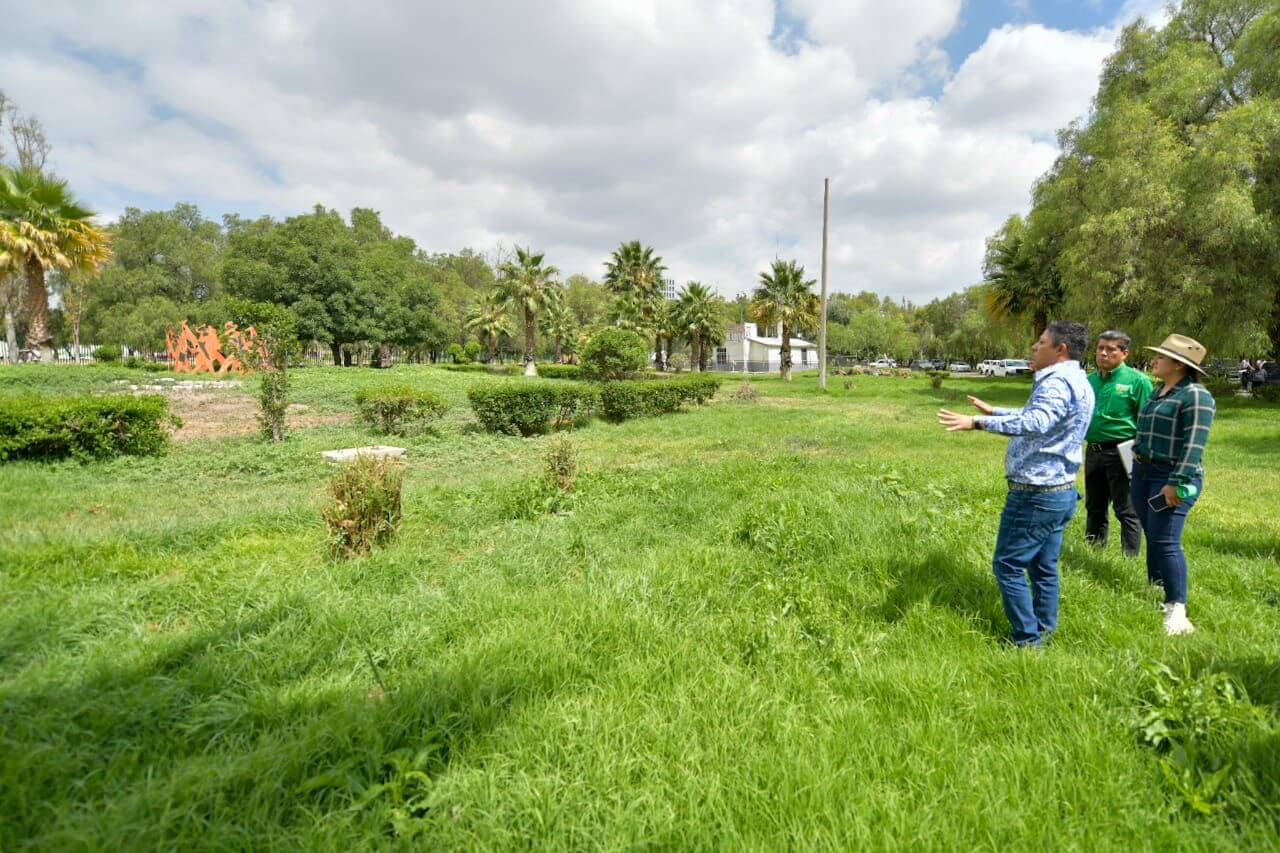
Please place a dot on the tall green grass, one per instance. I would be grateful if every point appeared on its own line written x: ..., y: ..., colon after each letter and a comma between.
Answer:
x: 758, y: 624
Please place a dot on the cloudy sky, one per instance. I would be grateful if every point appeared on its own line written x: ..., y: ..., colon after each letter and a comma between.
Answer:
x: 701, y: 127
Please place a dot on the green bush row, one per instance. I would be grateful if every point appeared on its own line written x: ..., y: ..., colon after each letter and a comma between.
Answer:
x: 530, y: 408
x: 48, y: 428
x: 498, y: 369
x: 399, y: 409
x: 620, y: 401
x: 560, y: 371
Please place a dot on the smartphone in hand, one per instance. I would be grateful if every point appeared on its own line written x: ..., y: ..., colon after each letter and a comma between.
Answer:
x: 1158, y: 503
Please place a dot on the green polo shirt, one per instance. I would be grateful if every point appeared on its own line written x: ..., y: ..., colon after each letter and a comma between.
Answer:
x: 1118, y: 398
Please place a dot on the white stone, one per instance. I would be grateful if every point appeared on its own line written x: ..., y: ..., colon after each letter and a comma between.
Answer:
x: 378, y: 451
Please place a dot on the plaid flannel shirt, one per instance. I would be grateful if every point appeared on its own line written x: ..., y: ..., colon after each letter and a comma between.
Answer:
x: 1173, y: 429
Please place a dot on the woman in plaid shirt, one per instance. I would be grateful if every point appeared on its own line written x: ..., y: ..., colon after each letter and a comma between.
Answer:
x: 1173, y: 429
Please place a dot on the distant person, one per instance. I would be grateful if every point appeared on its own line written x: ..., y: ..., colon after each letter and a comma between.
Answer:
x: 1246, y: 373
x: 1040, y: 464
x: 1119, y: 393
x: 1173, y: 429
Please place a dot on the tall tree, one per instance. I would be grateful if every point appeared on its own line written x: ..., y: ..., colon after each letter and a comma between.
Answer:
x: 700, y: 320
x: 560, y: 322
x: 489, y: 321
x: 784, y: 297
x: 43, y: 228
x: 529, y: 284
x: 1161, y: 207
x: 634, y: 272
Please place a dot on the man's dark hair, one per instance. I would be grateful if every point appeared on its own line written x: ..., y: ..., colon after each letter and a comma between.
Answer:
x: 1119, y: 337
x: 1071, y: 333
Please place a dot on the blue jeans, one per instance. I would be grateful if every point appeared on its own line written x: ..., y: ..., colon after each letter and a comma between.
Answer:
x: 1029, y: 543
x: 1166, y: 563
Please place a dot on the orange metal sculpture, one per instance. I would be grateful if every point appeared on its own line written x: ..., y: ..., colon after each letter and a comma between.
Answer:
x: 202, y: 353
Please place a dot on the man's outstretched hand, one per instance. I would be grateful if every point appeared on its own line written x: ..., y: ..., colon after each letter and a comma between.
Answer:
x: 982, y: 406
x: 954, y: 422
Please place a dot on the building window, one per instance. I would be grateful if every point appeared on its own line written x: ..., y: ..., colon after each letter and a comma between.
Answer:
x: 722, y: 355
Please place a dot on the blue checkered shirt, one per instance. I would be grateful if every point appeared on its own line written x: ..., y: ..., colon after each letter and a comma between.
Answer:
x: 1049, y: 430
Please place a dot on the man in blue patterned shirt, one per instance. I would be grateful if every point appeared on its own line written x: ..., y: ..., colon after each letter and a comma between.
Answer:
x: 1040, y: 464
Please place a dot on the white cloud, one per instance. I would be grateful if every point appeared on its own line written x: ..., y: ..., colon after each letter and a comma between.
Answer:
x: 571, y: 125
x: 1028, y: 78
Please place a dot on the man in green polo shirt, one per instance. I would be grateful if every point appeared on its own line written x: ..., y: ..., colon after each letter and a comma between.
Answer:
x: 1120, y: 393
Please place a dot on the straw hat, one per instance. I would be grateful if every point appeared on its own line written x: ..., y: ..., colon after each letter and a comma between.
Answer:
x: 1189, y: 351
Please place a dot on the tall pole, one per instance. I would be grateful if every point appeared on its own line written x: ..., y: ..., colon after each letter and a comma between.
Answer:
x: 822, y: 322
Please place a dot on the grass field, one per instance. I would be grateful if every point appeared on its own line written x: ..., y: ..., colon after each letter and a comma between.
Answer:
x: 761, y: 625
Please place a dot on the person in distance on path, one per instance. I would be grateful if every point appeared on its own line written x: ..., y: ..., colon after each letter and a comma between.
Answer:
x: 1119, y: 394
x: 1040, y: 465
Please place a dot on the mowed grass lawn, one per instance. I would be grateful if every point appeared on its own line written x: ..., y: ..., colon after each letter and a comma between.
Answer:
x: 766, y: 624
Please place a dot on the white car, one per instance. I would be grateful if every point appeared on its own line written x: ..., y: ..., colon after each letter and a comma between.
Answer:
x: 988, y: 367
x: 1011, y: 367
x: 960, y: 367
x: 884, y: 363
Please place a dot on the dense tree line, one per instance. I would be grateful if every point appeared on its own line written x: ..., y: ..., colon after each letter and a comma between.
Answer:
x: 1162, y: 210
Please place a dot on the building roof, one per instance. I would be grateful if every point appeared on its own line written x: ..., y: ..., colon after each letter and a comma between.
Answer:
x: 777, y: 342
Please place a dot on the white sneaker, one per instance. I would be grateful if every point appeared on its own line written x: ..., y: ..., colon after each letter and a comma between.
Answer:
x: 1176, y: 623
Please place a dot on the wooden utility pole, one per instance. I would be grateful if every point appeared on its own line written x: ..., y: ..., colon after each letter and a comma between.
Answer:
x: 822, y: 321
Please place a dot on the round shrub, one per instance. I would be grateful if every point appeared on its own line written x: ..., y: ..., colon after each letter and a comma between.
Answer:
x: 612, y: 353
x: 399, y: 409
x: 107, y: 354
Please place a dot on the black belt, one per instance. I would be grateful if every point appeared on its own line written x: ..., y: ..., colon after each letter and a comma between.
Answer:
x: 1104, y: 445
x: 1015, y: 486
x: 1147, y: 460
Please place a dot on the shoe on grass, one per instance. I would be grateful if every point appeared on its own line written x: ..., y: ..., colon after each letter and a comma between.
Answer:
x: 1176, y: 623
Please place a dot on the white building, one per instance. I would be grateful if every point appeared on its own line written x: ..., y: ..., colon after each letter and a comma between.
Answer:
x: 746, y: 347
x: 669, y: 288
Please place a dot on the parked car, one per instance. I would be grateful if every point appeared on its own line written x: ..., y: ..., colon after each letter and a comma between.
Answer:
x: 988, y: 367
x: 1010, y: 367
x: 925, y: 364
x: 960, y: 367
x: 884, y: 363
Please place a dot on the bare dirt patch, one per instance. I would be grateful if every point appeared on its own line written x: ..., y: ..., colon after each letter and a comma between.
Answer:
x: 213, y: 414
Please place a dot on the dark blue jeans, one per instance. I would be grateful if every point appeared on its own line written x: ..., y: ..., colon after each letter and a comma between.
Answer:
x: 1166, y: 563
x: 1028, y: 544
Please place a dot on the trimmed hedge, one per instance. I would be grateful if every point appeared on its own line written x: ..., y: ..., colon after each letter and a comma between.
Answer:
x: 620, y: 401
x: 498, y: 369
x: 83, y: 428
x: 532, y: 407
x: 399, y: 409
x: 559, y: 371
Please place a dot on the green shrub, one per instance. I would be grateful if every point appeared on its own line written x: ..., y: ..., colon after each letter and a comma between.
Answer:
x: 83, y: 427
x: 1267, y: 393
x: 107, y: 354
x: 620, y: 401
x: 399, y: 409
x: 560, y: 371
x: 155, y: 366
x: 612, y: 353
x: 936, y: 377
x: 133, y: 362
x: 364, y: 508
x: 530, y: 408
x: 464, y: 367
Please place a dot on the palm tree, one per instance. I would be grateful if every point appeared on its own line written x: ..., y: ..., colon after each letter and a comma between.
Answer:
x: 528, y: 284
x: 700, y: 321
x: 634, y: 272
x: 1019, y: 284
x: 784, y: 297
x: 489, y: 320
x: 559, y: 322
x: 43, y: 227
